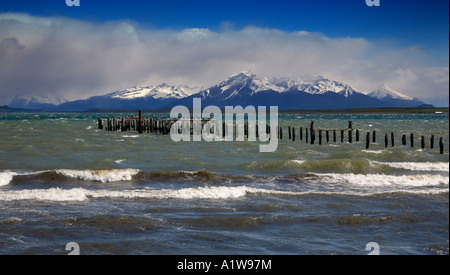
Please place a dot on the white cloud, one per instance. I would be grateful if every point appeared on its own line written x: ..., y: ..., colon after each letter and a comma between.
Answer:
x: 60, y: 57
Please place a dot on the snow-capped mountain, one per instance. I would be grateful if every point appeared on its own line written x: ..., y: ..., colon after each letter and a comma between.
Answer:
x: 385, y: 91
x: 162, y: 91
x: 249, y: 84
x: 148, y: 97
x: 394, y: 97
x: 244, y: 88
x: 35, y: 102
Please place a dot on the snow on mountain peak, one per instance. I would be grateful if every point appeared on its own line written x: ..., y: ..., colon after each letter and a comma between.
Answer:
x: 247, y: 82
x: 163, y: 91
x: 386, y: 92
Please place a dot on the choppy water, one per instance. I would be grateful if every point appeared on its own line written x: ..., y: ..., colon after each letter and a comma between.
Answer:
x: 62, y: 180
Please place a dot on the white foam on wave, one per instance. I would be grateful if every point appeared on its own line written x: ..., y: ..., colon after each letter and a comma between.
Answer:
x: 221, y: 192
x: 52, y: 194
x: 373, y: 151
x: 298, y: 161
x: 81, y: 194
x: 385, y: 180
x: 418, y: 166
x: 112, y: 175
x: 6, y: 177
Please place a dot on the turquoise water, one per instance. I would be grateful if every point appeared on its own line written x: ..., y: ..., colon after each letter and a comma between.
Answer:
x: 64, y: 180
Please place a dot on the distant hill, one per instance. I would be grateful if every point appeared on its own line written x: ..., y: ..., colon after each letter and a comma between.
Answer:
x: 6, y: 109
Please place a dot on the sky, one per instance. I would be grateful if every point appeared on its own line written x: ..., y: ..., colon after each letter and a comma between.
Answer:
x: 57, y: 53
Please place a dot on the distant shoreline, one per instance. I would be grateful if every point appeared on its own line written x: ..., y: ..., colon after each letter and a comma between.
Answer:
x: 427, y: 110
x: 371, y: 111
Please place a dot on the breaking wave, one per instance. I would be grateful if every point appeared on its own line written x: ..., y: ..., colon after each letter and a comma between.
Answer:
x: 100, y: 175
x: 6, y: 177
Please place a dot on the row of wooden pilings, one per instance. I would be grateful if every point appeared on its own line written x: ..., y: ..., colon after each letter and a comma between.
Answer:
x: 370, y: 137
x: 163, y: 126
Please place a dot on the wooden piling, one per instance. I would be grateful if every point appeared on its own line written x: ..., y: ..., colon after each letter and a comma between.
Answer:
x: 293, y: 134
x: 357, y: 135
x: 301, y: 133
x: 367, y: 140
x: 392, y: 139
x: 140, y: 123
x: 411, y: 138
x: 289, y: 132
x: 342, y: 136
x: 432, y: 142
x: 313, y: 133
x: 327, y: 134
x: 441, y: 145
x: 306, y: 135
x: 334, y: 136
x: 320, y: 137
x: 386, y: 140
x: 100, y: 124
x: 422, y: 142
x: 374, y: 136
x: 350, y: 136
x: 404, y: 140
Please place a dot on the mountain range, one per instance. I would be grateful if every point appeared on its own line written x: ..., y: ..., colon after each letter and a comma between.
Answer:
x: 244, y: 88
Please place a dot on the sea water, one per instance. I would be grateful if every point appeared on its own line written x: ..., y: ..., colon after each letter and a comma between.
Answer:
x: 63, y: 180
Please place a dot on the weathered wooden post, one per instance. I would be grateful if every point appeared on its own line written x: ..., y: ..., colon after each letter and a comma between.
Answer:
x: 411, y: 138
x: 432, y: 142
x: 140, y: 123
x: 350, y: 124
x: 404, y: 140
x: 334, y: 135
x: 386, y: 140
x: 281, y: 133
x: 392, y: 139
x: 342, y: 136
x: 100, y: 123
x: 293, y: 134
x: 357, y: 135
x: 223, y: 130
x: 327, y: 134
x: 313, y: 136
x: 374, y: 136
x: 289, y: 132
x: 301, y: 133
x: 320, y: 137
x: 422, y: 142
x: 441, y: 145
x: 367, y: 140
x: 306, y: 135
x: 350, y: 136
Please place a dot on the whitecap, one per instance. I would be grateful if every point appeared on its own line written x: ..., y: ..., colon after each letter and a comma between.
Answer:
x: 385, y: 180
x: 418, y: 166
x: 112, y: 175
x: 6, y: 177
